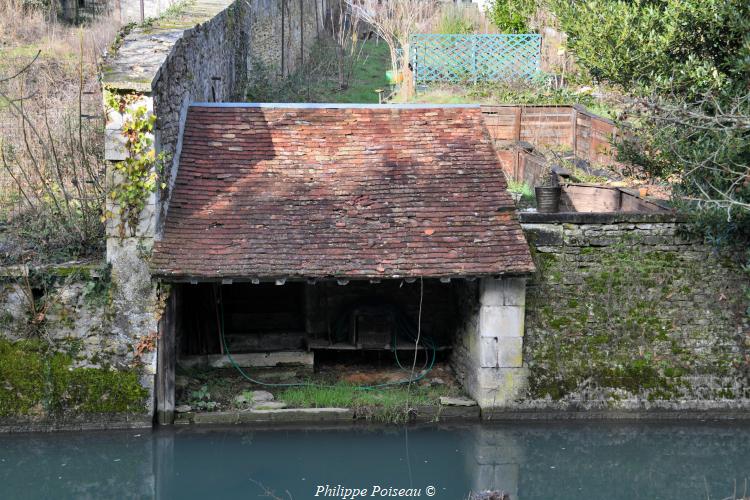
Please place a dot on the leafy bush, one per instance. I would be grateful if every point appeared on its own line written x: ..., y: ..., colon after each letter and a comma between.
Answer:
x: 686, y: 62
x: 512, y: 16
x: 684, y: 46
x: 535, y: 92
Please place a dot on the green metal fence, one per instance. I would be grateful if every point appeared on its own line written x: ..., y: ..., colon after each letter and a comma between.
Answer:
x: 474, y: 58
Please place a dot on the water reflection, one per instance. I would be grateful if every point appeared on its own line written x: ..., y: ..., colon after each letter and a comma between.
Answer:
x: 528, y: 461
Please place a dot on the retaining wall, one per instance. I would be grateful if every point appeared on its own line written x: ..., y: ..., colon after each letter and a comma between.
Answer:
x: 65, y: 359
x: 629, y: 312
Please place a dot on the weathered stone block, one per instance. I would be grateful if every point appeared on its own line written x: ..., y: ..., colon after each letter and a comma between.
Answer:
x: 502, y: 292
x: 488, y: 350
x: 510, y: 352
x: 544, y: 234
x: 499, y: 387
x: 501, y: 321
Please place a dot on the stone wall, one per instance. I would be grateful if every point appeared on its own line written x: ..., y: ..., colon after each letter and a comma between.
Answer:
x: 627, y: 311
x: 282, y: 33
x: 63, y: 357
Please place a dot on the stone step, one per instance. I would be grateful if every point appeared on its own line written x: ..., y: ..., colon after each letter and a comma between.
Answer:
x: 285, y: 415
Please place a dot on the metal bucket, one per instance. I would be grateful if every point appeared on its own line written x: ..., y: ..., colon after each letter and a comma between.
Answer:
x: 547, y: 198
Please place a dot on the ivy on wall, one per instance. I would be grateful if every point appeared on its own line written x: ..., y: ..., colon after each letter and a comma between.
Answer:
x: 140, y: 171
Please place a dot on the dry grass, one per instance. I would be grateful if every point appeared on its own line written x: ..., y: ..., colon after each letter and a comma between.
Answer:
x: 51, y: 133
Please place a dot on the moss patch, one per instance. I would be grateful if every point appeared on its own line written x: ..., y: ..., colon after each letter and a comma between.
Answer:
x: 39, y: 382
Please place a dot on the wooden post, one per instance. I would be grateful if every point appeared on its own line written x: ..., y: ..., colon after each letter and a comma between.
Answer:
x: 166, y: 360
x: 163, y: 464
x: 517, y: 124
x: 283, y: 5
x: 574, y: 131
x: 301, y: 33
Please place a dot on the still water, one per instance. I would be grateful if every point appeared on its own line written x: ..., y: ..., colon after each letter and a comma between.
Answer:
x: 528, y: 461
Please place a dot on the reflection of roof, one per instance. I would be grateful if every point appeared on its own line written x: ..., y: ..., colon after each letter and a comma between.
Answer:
x: 315, y: 191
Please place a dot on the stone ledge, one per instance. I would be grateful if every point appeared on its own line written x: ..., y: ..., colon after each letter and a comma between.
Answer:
x: 421, y: 414
x: 618, y: 415
x: 286, y: 415
x: 426, y: 414
x: 92, y: 425
x: 598, y: 217
x: 251, y: 360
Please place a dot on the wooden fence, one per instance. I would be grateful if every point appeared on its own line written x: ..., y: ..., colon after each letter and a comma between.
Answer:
x: 571, y: 128
x: 446, y: 58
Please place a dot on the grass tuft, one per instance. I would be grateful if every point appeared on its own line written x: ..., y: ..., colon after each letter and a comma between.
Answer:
x: 386, y: 405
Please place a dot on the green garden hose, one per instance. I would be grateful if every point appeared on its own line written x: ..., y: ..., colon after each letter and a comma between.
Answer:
x: 247, y: 377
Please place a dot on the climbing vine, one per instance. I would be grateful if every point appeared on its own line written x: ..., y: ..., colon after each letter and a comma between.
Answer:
x: 141, y: 168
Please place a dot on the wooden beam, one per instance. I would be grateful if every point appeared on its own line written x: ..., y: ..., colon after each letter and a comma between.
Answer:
x: 166, y: 357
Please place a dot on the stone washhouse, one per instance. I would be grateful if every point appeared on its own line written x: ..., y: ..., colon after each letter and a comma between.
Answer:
x: 286, y: 214
x: 296, y: 229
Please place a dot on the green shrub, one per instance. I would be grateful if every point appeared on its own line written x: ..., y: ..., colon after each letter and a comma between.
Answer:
x: 512, y: 16
x: 684, y: 46
x: 523, y: 188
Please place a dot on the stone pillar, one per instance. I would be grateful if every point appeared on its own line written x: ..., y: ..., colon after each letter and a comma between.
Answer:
x: 489, y: 351
x: 136, y: 308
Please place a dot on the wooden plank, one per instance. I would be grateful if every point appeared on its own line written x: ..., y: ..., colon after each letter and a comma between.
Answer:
x: 573, y: 131
x: 592, y: 198
x: 316, y: 345
x: 166, y: 358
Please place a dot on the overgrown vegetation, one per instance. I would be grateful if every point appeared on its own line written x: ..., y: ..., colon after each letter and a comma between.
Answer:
x: 51, y: 148
x: 39, y: 382
x: 457, y: 18
x: 538, y: 92
x: 139, y: 172
x: 340, y: 386
x: 524, y: 191
x: 318, y: 79
x: 512, y: 16
x: 680, y: 69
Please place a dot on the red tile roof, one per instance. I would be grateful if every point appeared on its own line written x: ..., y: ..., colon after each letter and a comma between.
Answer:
x: 356, y: 192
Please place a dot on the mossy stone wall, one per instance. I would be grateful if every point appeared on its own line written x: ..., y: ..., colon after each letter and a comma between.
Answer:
x: 62, y: 358
x: 634, y: 315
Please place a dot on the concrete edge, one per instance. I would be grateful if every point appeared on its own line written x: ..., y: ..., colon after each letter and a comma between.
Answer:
x: 691, y: 415
x: 337, y: 416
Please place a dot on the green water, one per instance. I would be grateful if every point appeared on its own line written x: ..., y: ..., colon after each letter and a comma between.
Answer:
x: 529, y: 461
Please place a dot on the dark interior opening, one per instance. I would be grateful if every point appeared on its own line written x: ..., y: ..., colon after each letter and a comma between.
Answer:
x: 358, y: 316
